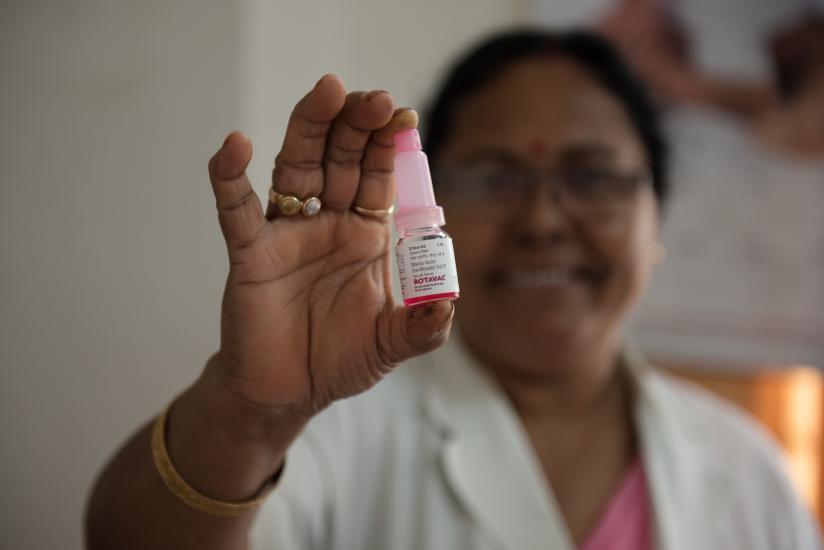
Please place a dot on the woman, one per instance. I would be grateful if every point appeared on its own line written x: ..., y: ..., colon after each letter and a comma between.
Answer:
x: 532, y: 428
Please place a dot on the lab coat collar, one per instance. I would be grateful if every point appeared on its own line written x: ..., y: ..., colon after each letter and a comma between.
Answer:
x: 489, y: 464
x: 487, y: 460
x: 689, y: 490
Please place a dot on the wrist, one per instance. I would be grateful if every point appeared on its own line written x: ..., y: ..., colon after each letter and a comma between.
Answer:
x: 227, y: 410
x: 223, y: 447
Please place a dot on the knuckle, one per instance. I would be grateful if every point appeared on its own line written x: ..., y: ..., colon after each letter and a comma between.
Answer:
x: 282, y: 161
x: 342, y: 154
x: 229, y: 206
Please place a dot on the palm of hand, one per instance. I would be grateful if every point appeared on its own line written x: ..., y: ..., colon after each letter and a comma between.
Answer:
x: 338, y: 293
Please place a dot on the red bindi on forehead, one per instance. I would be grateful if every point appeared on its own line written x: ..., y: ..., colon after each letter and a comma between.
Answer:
x: 537, y: 149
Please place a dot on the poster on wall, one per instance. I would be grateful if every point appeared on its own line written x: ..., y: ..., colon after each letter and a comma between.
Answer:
x: 743, y: 282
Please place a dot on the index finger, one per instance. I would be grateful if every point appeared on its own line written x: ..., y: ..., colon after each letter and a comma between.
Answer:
x: 377, y: 187
x: 298, y: 166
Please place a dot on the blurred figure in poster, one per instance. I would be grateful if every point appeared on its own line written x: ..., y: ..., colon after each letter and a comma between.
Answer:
x: 658, y: 46
x: 795, y: 123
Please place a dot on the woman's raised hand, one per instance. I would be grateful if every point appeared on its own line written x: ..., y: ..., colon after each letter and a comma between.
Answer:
x: 308, y: 315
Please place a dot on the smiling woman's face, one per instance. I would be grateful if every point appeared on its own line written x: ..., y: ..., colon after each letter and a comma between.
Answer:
x: 545, y: 273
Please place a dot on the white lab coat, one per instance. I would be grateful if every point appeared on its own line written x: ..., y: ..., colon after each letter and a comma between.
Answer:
x: 435, y: 458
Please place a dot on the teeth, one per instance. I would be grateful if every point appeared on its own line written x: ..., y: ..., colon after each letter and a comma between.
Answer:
x: 540, y: 278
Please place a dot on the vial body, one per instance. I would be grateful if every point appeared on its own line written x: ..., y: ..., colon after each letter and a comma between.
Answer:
x: 426, y: 265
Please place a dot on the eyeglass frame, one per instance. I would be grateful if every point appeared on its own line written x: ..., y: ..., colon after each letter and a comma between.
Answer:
x: 553, y: 174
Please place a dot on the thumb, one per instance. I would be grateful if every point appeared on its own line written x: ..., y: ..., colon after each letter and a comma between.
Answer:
x: 407, y: 332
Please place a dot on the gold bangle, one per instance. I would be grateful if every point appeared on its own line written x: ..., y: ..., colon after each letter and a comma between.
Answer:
x: 188, y: 494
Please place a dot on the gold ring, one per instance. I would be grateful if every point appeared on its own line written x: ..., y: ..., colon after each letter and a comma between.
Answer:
x: 289, y: 205
x: 373, y: 213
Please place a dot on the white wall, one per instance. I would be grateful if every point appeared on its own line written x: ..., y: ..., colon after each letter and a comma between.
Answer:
x: 400, y: 46
x: 111, y: 259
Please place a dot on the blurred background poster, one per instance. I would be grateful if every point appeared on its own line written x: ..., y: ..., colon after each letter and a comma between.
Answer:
x: 742, y: 84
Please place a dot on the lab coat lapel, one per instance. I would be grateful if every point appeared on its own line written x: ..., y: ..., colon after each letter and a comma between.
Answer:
x: 487, y: 461
x: 688, y: 490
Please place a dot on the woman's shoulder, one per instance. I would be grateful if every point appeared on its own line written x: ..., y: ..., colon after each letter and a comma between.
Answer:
x: 735, y: 441
x: 716, y: 419
x: 746, y: 459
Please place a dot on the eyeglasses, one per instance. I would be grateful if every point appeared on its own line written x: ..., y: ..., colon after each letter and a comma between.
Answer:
x: 580, y: 187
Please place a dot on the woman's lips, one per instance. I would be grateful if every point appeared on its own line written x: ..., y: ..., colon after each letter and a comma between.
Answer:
x: 543, y: 278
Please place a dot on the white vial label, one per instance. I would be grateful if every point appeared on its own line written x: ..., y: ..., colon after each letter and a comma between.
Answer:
x: 427, y: 267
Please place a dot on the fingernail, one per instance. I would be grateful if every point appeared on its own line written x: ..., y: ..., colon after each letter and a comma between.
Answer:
x: 446, y: 323
x: 239, y: 134
x: 321, y: 79
x: 408, y: 116
x: 368, y: 96
x: 451, y: 314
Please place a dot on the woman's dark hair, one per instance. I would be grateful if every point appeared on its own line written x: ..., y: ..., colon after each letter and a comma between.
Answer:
x: 486, y: 61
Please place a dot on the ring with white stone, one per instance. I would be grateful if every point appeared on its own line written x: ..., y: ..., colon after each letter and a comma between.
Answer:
x: 289, y: 205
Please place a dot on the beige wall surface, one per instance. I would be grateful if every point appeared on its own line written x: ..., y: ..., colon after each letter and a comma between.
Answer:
x: 112, y: 262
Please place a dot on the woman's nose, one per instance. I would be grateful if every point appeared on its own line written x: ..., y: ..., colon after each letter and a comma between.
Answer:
x: 543, y: 219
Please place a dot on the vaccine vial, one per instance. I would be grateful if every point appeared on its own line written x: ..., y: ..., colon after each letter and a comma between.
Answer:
x: 426, y: 259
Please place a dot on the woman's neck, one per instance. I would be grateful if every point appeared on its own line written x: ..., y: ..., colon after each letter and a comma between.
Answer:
x: 570, y: 384
x: 578, y: 418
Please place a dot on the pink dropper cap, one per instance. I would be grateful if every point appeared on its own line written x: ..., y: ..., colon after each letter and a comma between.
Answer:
x: 416, y: 199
